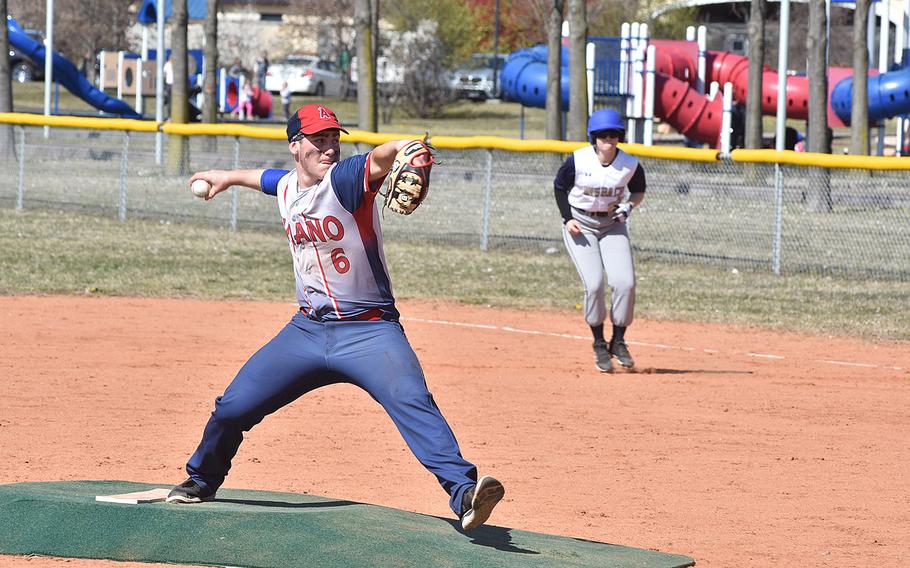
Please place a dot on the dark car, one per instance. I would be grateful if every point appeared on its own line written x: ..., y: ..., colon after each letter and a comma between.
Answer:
x: 21, y: 67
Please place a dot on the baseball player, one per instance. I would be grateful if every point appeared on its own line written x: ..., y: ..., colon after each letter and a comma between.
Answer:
x: 590, y: 189
x: 347, y: 328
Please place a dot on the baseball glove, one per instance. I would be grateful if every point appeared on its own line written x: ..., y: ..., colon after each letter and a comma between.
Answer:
x: 409, y: 178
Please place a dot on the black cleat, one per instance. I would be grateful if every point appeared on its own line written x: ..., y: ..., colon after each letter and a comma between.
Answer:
x: 189, y: 492
x: 619, y: 350
x: 602, y: 357
x: 479, y: 502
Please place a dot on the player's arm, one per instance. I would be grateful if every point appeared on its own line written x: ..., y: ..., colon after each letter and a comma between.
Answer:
x: 637, y: 187
x: 383, y: 156
x: 221, y: 180
x: 565, y: 179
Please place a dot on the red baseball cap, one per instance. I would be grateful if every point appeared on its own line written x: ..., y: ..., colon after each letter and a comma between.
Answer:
x: 311, y: 119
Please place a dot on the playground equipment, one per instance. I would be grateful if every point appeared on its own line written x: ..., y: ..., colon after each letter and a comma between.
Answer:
x: 680, y: 71
x: 66, y: 73
x: 229, y: 89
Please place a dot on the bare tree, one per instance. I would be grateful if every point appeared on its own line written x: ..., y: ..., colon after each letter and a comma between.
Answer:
x: 423, y: 88
x: 859, y: 114
x: 337, y: 17
x: 578, y: 77
x: 178, y: 149
x: 757, y: 15
x: 368, y: 118
x: 7, y: 142
x: 210, y: 99
x: 817, y: 49
x: 525, y: 21
x: 819, y: 193
x: 554, y: 69
x: 80, y: 28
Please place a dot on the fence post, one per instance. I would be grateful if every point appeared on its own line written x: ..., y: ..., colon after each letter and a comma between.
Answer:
x: 20, y: 189
x: 124, y: 172
x: 778, y: 218
x: 487, y: 197
x: 235, y: 166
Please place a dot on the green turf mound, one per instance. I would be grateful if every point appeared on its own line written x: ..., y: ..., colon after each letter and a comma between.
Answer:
x: 263, y: 529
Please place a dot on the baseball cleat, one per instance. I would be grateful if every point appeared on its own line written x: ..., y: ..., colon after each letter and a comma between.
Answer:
x: 602, y: 357
x: 619, y: 350
x: 189, y: 492
x: 483, y: 498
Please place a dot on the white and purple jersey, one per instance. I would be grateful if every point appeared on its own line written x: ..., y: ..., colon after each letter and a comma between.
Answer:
x: 336, y: 242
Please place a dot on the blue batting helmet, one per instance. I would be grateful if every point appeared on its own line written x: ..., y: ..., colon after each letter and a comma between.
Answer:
x: 604, y: 119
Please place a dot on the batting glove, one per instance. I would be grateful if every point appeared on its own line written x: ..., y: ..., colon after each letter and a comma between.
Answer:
x: 621, y: 212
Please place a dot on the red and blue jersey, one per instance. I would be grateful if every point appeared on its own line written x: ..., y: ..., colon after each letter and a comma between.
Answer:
x: 336, y: 242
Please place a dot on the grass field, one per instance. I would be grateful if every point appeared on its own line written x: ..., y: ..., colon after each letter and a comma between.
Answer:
x: 50, y: 252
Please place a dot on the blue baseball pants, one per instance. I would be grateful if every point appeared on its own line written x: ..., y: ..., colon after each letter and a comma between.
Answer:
x: 307, y: 354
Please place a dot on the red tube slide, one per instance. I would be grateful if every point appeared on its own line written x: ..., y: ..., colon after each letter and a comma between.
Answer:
x: 687, y: 110
x: 725, y: 67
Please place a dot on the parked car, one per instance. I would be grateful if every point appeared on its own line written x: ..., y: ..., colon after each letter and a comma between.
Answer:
x: 479, y: 79
x: 306, y: 74
x: 21, y: 67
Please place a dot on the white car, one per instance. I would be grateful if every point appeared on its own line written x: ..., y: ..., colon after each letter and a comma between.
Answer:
x: 306, y: 74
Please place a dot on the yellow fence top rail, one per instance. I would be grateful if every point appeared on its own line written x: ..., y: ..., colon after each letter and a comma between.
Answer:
x: 791, y: 158
x: 93, y: 123
x: 786, y: 157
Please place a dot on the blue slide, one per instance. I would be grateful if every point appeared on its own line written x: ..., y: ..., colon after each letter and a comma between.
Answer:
x: 524, y: 79
x: 67, y: 74
x: 889, y: 95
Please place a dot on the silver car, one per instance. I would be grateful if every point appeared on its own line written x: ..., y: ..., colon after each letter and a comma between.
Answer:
x: 304, y: 74
x: 479, y: 79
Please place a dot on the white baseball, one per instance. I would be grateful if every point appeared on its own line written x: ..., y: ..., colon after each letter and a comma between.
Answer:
x: 201, y: 188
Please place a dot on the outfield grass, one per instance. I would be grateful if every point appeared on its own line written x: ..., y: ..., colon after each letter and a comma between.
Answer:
x: 50, y: 252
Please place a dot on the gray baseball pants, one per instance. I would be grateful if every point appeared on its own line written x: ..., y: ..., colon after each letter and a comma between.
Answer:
x: 603, y: 249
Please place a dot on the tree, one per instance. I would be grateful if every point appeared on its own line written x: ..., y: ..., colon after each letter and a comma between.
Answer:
x: 423, y: 88
x: 210, y: 96
x: 366, y: 66
x: 337, y: 17
x: 578, y: 76
x: 80, y: 28
x: 459, y: 31
x: 670, y: 24
x: 859, y: 114
x: 7, y: 141
x: 554, y: 69
x: 819, y: 194
x: 757, y: 15
x: 178, y: 153
x: 817, y: 48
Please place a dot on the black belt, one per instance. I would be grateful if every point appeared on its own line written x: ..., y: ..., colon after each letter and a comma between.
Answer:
x: 594, y: 213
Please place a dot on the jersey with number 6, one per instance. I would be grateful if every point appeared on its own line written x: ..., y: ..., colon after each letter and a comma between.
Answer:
x: 335, y: 240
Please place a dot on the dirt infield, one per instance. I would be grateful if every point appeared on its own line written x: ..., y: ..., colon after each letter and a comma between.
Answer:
x: 736, y: 446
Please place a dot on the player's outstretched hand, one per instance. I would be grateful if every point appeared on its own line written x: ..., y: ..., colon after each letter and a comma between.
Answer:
x: 220, y: 180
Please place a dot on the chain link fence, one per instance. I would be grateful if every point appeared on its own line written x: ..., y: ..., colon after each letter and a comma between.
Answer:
x: 781, y: 218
